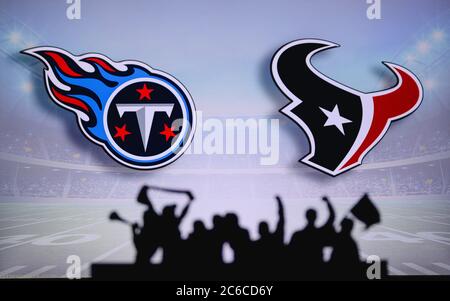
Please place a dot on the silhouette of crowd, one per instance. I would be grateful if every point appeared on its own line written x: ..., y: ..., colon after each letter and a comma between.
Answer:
x: 200, y: 255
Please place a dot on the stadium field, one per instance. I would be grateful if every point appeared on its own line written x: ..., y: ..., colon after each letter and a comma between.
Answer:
x: 37, y: 238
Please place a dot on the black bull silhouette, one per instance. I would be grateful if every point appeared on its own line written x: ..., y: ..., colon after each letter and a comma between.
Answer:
x: 359, y: 119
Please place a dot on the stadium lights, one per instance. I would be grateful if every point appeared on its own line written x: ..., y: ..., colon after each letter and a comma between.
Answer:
x: 30, y: 44
x: 429, y: 84
x: 438, y: 35
x: 410, y: 58
x: 15, y: 37
x: 423, y: 47
x: 27, y: 87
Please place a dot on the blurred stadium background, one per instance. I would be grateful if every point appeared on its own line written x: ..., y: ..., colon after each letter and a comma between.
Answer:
x: 57, y: 190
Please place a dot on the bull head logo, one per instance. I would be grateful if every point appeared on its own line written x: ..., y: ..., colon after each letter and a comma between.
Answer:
x: 342, y: 124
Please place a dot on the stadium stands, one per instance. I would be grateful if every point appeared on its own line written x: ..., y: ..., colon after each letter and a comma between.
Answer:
x: 92, y: 174
x: 18, y: 179
x: 393, y: 147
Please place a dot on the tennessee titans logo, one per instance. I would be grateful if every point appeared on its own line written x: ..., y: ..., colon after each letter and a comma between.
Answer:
x: 342, y: 124
x: 143, y: 118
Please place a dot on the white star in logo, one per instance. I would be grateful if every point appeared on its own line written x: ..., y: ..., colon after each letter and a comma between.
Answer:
x: 334, y: 118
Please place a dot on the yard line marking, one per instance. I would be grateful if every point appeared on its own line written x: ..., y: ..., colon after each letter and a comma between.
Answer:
x: 442, y: 215
x: 433, y: 222
x: 11, y: 270
x: 39, y: 215
x: 50, y: 235
x: 31, y: 214
x: 415, y: 235
x: 425, y: 210
x: 432, y: 217
x: 395, y: 271
x: 420, y: 268
x: 442, y: 265
x: 45, y: 221
x: 418, y: 219
x: 35, y: 273
x: 105, y: 255
x: 5, y: 211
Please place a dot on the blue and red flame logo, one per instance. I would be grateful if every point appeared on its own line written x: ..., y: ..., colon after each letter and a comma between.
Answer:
x: 143, y: 118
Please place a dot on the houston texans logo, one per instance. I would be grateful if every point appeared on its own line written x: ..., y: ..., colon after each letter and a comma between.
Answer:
x: 342, y: 124
x: 144, y: 118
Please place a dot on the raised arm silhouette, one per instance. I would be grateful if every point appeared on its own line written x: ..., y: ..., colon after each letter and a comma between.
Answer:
x: 199, y: 257
x: 184, y: 212
x: 268, y: 249
x: 331, y: 214
x: 147, y: 237
x: 170, y: 234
